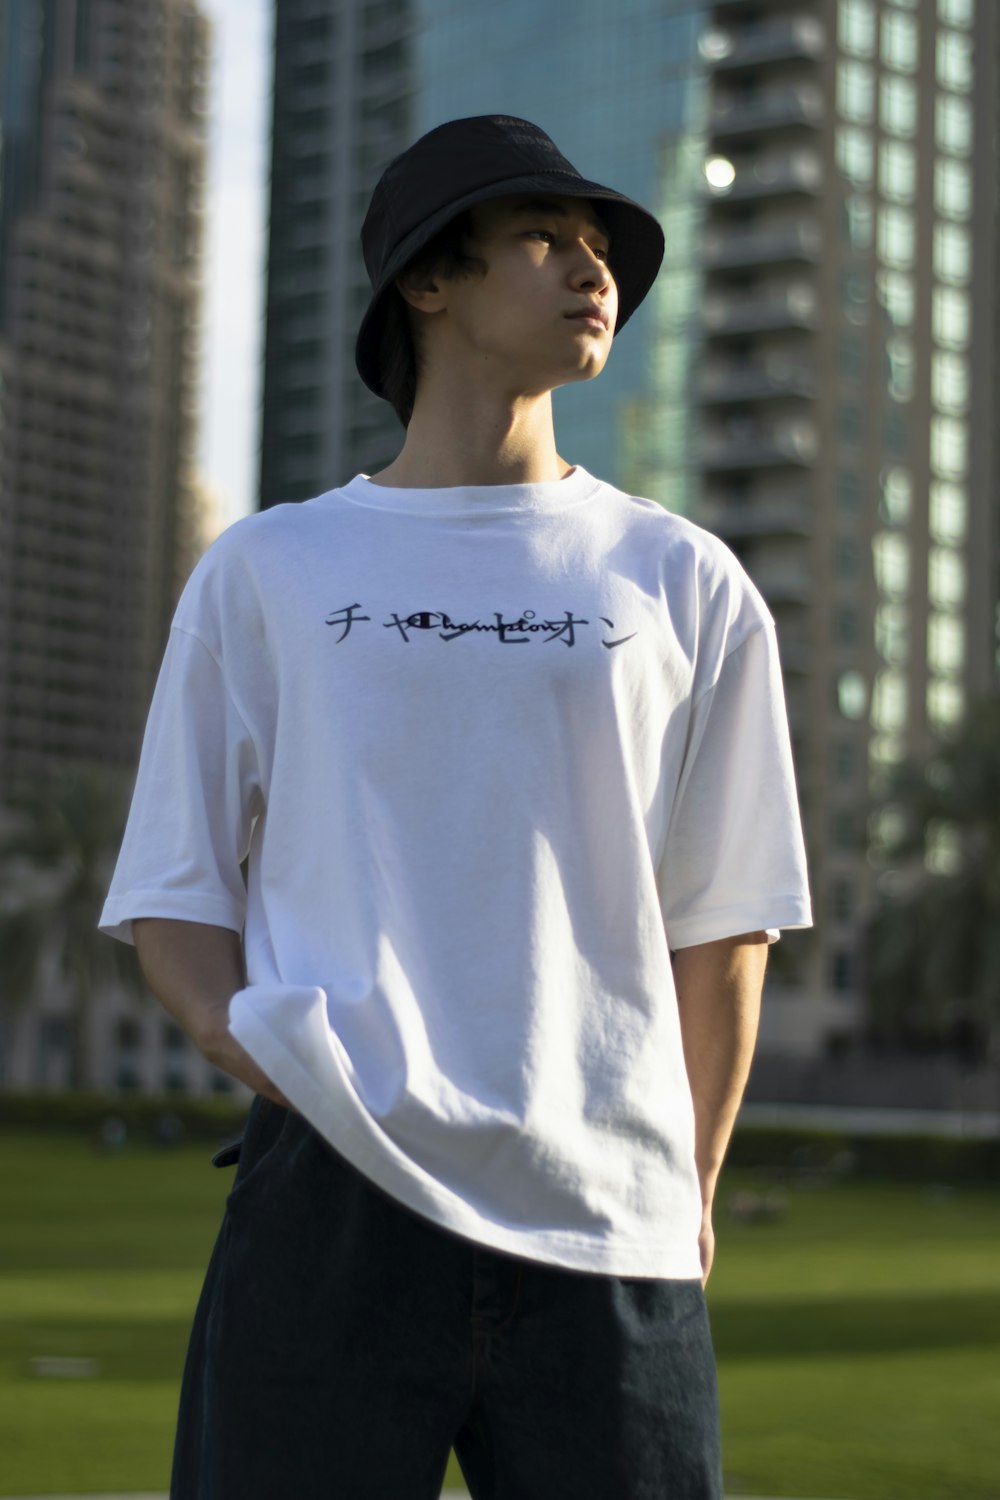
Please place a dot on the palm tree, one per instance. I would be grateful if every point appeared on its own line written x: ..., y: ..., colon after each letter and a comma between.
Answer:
x: 58, y: 842
x: 933, y: 945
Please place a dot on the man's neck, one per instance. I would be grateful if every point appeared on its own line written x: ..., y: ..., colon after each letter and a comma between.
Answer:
x: 476, y: 441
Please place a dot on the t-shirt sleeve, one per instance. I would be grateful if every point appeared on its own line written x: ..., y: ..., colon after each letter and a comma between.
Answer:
x: 734, y: 857
x: 196, y: 794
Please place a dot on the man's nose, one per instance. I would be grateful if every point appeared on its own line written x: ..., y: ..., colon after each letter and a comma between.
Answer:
x: 589, y: 269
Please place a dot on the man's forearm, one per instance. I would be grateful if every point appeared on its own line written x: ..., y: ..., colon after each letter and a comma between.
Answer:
x: 718, y: 995
x: 194, y: 970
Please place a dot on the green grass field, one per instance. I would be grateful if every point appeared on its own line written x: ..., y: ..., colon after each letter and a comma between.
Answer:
x: 858, y: 1336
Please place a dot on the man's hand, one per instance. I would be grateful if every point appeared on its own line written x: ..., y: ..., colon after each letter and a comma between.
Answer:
x: 718, y: 999
x: 194, y: 970
x: 216, y: 1042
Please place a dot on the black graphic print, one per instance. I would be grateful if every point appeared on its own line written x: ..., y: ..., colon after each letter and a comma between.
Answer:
x: 519, y: 632
x: 345, y: 617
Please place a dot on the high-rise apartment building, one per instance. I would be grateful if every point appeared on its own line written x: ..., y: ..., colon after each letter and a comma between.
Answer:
x: 848, y: 388
x: 814, y: 375
x: 103, y: 118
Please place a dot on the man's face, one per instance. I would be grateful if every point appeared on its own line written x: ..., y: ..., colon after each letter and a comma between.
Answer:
x: 544, y: 313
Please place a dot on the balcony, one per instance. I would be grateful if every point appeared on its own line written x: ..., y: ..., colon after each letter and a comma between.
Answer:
x: 787, y: 39
x: 726, y: 314
x: 750, y: 520
x: 750, y: 443
x: 767, y: 109
x: 724, y: 246
x: 771, y: 173
x: 783, y: 585
x: 721, y: 382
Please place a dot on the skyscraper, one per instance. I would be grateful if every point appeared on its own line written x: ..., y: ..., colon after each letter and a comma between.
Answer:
x: 806, y: 378
x: 103, y: 117
x: 342, y: 108
x: 848, y: 396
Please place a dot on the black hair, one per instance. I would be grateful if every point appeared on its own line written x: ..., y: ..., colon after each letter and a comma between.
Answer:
x: 400, y: 354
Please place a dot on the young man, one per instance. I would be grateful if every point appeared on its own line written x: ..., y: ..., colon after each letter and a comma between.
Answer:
x: 506, y: 750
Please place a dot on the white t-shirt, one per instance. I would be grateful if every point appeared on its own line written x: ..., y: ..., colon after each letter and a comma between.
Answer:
x: 493, y: 752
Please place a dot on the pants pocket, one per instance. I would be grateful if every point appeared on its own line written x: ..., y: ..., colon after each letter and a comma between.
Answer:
x: 258, y: 1149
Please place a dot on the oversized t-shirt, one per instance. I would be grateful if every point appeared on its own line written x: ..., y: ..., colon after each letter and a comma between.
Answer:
x: 492, y: 752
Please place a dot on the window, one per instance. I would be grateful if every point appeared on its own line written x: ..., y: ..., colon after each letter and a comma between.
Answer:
x: 952, y: 189
x: 895, y: 293
x: 845, y: 624
x: 841, y: 900
x: 856, y: 92
x: 897, y: 171
x: 898, y: 105
x: 956, y: 12
x: 954, y: 61
x: 950, y: 317
x: 949, y: 447
x: 891, y: 556
x: 856, y: 155
x: 852, y: 695
x: 845, y: 760
x: 889, y: 701
x: 174, y: 1039
x: 848, y: 557
x: 886, y: 828
x: 946, y: 578
x: 852, y: 423
x: 897, y: 497
x: 949, y: 512
x: 127, y: 1034
x: 949, y: 382
x: 945, y: 645
x: 860, y: 221
x: 852, y: 355
x: 952, y: 254
x: 900, y: 371
x: 896, y: 237
x: 849, y: 493
x: 855, y: 297
x: 945, y: 704
x: 900, y: 41
x: 953, y: 124
x: 843, y: 970
x: 856, y: 27
x: 892, y: 633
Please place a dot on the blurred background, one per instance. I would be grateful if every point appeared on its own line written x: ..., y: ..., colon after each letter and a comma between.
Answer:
x: 814, y: 378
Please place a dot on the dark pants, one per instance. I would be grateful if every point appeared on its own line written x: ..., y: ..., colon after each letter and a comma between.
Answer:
x: 343, y: 1345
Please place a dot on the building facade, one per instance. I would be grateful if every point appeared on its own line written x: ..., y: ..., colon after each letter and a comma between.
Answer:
x: 343, y: 107
x: 103, y: 117
x: 847, y: 392
x: 103, y: 124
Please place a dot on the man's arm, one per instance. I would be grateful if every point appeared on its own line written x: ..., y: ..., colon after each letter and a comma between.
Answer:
x: 194, y: 970
x: 718, y: 996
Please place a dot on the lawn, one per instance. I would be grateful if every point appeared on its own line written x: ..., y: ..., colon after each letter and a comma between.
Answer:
x: 858, y: 1335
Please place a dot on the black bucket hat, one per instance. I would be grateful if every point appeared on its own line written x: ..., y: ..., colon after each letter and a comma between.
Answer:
x: 471, y: 161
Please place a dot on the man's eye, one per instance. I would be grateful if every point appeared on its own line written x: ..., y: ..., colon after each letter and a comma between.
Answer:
x: 546, y: 233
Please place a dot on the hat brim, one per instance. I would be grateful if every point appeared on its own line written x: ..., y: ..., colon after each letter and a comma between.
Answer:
x: 637, y: 246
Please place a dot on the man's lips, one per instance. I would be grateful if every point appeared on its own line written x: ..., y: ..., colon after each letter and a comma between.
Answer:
x: 595, y: 315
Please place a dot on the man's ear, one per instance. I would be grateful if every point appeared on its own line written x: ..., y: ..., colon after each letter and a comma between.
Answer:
x: 421, y: 290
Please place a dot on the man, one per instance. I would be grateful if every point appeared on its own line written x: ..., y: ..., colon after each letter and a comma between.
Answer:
x: 495, y: 738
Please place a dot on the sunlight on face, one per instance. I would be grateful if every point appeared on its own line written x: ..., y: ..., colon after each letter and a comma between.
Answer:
x: 544, y: 313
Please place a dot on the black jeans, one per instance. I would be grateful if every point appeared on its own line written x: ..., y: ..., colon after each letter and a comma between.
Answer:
x: 343, y: 1345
